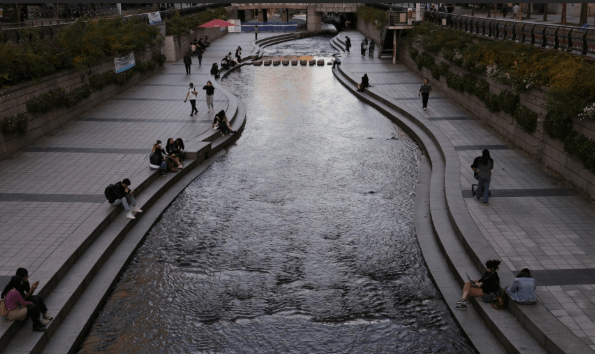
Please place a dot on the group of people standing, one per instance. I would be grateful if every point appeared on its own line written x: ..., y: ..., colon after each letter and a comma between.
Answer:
x: 196, y: 48
x: 364, y: 45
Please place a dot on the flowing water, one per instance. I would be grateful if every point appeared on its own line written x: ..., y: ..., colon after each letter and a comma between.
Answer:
x: 299, y: 240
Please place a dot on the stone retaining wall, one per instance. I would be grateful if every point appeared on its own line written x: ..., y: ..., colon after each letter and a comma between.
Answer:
x: 177, y: 46
x: 550, y: 152
x: 14, y: 101
x: 369, y: 30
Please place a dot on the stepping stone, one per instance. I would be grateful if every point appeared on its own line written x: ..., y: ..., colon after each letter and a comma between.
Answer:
x: 313, y: 62
x: 320, y: 62
x: 329, y: 63
x: 267, y: 62
x: 276, y: 62
x: 285, y: 62
x: 294, y: 62
x: 303, y: 62
x: 257, y: 63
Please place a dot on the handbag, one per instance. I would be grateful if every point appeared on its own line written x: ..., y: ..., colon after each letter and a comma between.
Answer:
x: 3, y: 309
x: 489, y: 297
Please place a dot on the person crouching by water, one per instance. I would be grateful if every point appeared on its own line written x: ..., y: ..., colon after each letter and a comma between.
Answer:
x: 365, y: 83
x: 337, y: 61
x: 17, y: 307
x: 222, y: 123
x: 484, y: 167
x: 488, y: 283
x: 522, y: 290
x: 425, y: 91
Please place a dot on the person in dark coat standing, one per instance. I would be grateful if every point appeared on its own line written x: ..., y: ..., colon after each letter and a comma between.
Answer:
x: 347, y: 43
x: 425, y: 91
x: 371, y: 50
x: 485, y: 165
x: 256, y: 32
x: 199, y: 55
x: 363, y: 46
x: 239, y: 54
x: 187, y: 63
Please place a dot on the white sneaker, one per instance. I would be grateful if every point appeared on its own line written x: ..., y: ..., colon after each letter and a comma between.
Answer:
x: 137, y: 210
x: 130, y: 216
x: 48, y: 317
x: 44, y: 322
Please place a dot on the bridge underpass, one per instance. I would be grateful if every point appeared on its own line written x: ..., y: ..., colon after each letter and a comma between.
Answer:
x: 314, y: 12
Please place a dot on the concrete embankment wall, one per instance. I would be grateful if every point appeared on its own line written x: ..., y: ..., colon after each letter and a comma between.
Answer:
x: 548, y: 151
x: 14, y: 101
x: 369, y: 30
x: 177, y: 46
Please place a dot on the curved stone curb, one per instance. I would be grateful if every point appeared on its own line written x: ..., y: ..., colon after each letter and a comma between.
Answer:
x: 549, y: 332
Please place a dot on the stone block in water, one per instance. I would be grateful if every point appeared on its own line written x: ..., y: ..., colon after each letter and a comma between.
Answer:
x: 320, y: 62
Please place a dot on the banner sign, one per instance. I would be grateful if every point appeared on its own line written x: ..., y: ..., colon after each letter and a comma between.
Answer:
x: 119, y: 7
x: 154, y: 18
x: 124, y: 63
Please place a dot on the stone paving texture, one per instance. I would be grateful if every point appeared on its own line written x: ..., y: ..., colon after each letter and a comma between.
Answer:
x: 49, y: 190
x: 545, y: 225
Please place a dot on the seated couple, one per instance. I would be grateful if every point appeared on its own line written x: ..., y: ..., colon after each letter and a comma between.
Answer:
x: 522, y: 290
x: 170, y: 159
x: 222, y: 123
x: 21, y: 303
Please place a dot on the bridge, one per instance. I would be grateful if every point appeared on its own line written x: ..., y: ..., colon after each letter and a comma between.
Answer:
x: 314, y: 11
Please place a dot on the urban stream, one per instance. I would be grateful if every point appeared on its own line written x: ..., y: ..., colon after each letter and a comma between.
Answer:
x: 299, y: 240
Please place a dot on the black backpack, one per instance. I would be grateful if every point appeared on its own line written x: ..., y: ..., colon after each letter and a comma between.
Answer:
x: 109, y: 194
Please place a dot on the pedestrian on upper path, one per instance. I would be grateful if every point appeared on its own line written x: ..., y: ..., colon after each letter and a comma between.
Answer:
x: 425, y: 91
x: 347, y: 43
x: 363, y: 46
x: 256, y: 32
x: 371, y: 49
x: 488, y: 283
x: 516, y: 12
x: 210, y: 93
x: 187, y: 63
x: 193, y: 94
x: 215, y: 70
x: 366, y: 41
x: 484, y: 168
x: 199, y: 55
x: 239, y: 54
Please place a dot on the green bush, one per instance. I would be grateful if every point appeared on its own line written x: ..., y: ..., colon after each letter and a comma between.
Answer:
x: 481, y: 89
x: 424, y: 60
x: 158, y: 58
x: 526, y: 118
x: 178, y: 25
x: 413, y: 53
x: 455, y: 82
x: 16, y: 123
x: 492, y: 102
x: 439, y: 70
x: 469, y: 81
x: 509, y: 101
x: 582, y: 147
x: 372, y: 16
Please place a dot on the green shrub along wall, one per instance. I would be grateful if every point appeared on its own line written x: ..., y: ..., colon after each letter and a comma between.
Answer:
x: 567, y: 80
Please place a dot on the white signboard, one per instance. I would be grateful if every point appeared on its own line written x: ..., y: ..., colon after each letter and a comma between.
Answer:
x: 154, y: 18
x: 119, y: 6
x: 235, y: 29
x: 124, y: 63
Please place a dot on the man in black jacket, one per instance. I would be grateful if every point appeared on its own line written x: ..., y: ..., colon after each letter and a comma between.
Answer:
x: 187, y: 63
x: 119, y: 193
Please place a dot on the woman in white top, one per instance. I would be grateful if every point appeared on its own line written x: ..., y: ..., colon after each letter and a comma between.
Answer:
x: 193, y: 94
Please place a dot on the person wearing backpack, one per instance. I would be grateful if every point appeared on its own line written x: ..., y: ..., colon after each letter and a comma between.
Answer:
x: 119, y: 193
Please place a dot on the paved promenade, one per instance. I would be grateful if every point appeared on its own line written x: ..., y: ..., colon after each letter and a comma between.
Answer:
x: 534, y: 219
x: 53, y: 191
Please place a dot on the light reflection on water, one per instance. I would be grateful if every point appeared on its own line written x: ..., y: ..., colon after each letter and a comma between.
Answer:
x: 279, y: 247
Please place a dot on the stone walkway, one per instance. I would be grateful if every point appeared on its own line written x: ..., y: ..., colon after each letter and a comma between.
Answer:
x: 534, y: 219
x: 49, y: 190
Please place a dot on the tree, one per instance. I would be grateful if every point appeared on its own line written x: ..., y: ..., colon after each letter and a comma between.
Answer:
x: 584, y: 13
x: 563, y: 16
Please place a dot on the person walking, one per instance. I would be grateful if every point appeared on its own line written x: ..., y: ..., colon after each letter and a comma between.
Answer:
x: 239, y: 54
x: 193, y: 94
x: 193, y: 48
x: 366, y: 41
x: 210, y: 93
x: 256, y: 32
x: 425, y: 91
x: 515, y: 12
x: 363, y: 46
x: 187, y: 63
x: 371, y: 49
x: 347, y: 43
x: 484, y: 174
x: 199, y: 55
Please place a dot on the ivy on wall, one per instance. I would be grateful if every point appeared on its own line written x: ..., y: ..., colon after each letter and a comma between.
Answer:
x: 372, y: 16
x: 569, y: 79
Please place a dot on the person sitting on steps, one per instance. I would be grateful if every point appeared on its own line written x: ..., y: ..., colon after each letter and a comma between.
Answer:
x: 27, y: 294
x: 157, y: 159
x: 18, y: 308
x: 119, y: 193
x: 172, y: 153
x: 365, y: 83
x: 488, y: 283
x: 215, y: 70
x: 223, y: 123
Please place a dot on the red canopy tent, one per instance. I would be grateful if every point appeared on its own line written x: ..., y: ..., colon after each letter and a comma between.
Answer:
x: 217, y: 23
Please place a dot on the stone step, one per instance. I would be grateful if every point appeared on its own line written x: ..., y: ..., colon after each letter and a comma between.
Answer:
x: 513, y: 337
